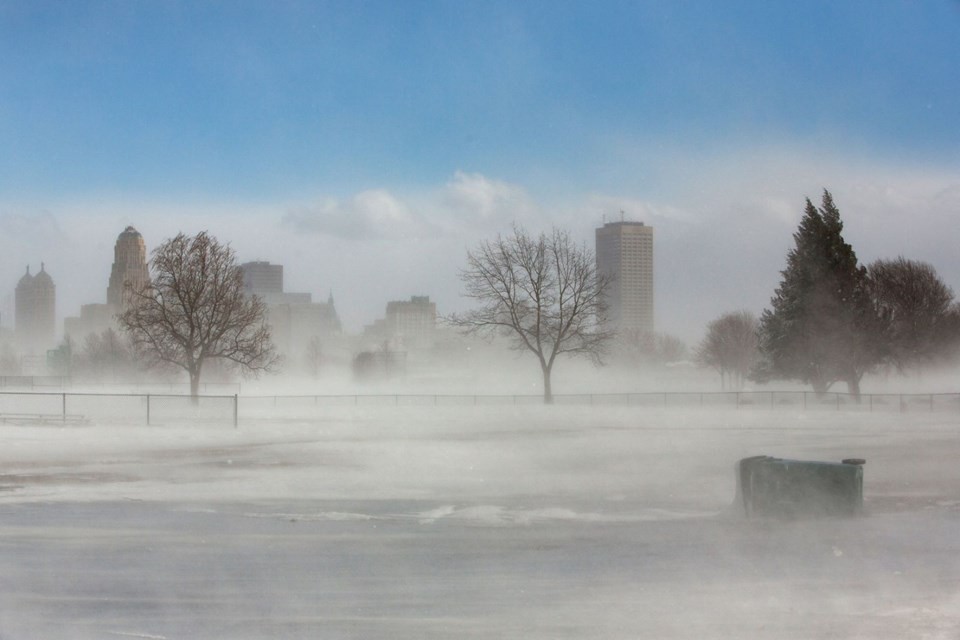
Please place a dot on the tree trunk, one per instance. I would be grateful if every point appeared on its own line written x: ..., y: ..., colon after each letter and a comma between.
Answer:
x: 820, y: 387
x: 195, y: 385
x: 853, y: 387
x: 547, y: 391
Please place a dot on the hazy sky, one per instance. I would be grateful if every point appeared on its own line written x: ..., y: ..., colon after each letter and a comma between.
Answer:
x: 367, y: 145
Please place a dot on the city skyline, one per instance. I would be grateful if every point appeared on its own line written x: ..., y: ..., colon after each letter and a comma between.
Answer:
x: 367, y: 148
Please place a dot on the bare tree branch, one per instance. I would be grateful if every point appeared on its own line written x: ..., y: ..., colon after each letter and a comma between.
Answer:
x: 194, y: 309
x: 544, y: 292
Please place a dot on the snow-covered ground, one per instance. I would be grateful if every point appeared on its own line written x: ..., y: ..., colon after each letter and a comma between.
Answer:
x: 473, y: 522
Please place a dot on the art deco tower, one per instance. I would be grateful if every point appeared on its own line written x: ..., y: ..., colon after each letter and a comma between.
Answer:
x: 129, y: 265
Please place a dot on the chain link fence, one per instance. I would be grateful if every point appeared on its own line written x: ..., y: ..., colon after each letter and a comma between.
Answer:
x: 115, y: 408
x: 25, y: 407
x: 294, y: 405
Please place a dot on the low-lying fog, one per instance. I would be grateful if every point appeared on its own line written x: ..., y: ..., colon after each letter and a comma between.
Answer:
x: 490, y: 521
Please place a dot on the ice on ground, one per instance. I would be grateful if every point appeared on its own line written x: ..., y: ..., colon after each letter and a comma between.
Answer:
x: 534, y: 522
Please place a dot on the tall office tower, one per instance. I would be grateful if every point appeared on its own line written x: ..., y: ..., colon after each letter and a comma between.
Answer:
x: 35, y: 301
x: 414, y: 322
x: 625, y: 253
x: 262, y: 277
x: 129, y: 265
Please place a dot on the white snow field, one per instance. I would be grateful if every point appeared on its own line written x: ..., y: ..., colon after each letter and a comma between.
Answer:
x: 473, y: 522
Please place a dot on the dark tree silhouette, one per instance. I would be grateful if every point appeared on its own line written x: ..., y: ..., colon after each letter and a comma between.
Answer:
x: 730, y: 347
x: 918, y: 316
x: 648, y: 348
x: 543, y: 292
x: 107, y: 355
x: 194, y: 309
x: 821, y: 328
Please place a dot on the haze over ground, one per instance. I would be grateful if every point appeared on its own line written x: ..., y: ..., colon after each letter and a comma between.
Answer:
x: 474, y: 522
x: 366, y: 147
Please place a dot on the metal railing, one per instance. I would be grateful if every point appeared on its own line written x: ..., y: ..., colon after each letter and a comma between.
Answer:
x: 116, y: 408
x: 805, y: 400
x: 66, y: 382
x: 158, y: 408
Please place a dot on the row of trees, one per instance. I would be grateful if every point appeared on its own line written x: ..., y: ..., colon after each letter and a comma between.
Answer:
x: 542, y: 291
x: 833, y: 320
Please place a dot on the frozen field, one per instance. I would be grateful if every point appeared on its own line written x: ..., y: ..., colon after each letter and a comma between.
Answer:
x: 494, y: 522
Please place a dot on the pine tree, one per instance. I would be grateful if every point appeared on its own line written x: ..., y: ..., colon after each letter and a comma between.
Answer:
x: 821, y: 328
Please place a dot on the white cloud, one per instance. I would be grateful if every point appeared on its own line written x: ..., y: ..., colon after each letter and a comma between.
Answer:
x: 371, y: 214
x: 468, y: 202
x: 720, y: 242
x: 472, y: 199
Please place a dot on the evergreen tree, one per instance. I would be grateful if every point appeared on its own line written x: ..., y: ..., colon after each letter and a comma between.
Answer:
x: 821, y: 328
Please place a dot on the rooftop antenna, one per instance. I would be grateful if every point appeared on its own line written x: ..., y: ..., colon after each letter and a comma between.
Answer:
x: 621, y: 215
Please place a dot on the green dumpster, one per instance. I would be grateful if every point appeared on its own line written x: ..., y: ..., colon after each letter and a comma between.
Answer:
x: 779, y: 487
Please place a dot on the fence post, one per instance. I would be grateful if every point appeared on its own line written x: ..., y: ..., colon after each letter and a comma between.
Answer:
x: 148, y: 409
x: 804, y: 400
x: 838, y: 401
x: 737, y: 394
x: 64, y: 407
x: 236, y: 411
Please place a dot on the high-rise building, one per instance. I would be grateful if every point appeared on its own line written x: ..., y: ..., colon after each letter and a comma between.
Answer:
x: 294, y: 318
x: 129, y: 266
x: 625, y: 254
x: 266, y: 281
x: 35, y: 301
x: 294, y: 324
x: 413, y: 322
x: 262, y: 277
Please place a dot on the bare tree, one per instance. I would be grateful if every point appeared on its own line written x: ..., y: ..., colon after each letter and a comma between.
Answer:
x: 918, y: 318
x: 106, y: 355
x: 649, y: 348
x: 194, y: 310
x: 543, y: 292
x: 730, y: 347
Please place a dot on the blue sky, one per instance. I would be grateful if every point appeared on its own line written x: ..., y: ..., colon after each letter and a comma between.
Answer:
x: 335, y: 119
